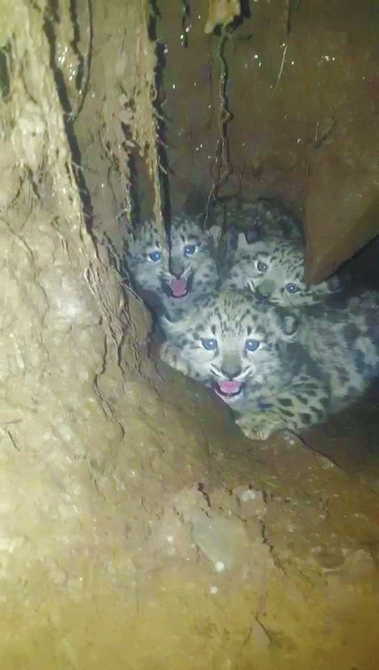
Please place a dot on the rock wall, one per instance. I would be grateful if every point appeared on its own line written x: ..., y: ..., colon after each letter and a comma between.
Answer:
x: 138, y: 529
x: 79, y: 428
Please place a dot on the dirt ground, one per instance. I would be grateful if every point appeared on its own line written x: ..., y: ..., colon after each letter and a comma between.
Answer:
x: 139, y: 528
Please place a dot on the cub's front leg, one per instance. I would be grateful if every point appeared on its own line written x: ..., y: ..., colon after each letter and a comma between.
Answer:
x: 303, y: 404
x: 172, y: 355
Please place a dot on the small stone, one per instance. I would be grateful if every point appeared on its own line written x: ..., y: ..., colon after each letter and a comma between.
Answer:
x: 251, y: 502
x: 224, y: 541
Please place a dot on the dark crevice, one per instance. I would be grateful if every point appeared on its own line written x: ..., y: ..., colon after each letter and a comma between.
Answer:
x: 5, y: 55
x: 51, y: 17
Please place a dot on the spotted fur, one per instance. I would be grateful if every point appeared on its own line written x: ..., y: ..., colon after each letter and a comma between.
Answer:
x: 176, y: 270
x: 278, y: 369
x: 275, y: 269
x: 249, y: 223
x: 265, y: 217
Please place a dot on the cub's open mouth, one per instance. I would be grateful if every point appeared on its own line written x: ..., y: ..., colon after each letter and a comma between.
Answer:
x: 228, y: 389
x: 178, y: 288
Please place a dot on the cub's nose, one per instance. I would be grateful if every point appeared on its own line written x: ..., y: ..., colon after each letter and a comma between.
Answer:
x: 176, y: 266
x: 266, y: 288
x: 231, y: 366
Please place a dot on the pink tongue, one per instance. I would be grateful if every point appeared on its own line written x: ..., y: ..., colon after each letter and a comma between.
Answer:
x: 229, y: 387
x: 178, y: 287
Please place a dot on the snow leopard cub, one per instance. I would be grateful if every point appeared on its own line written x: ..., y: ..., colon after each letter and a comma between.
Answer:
x: 278, y: 368
x: 275, y: 269
x: 249, y: 223
x: 177, y: 271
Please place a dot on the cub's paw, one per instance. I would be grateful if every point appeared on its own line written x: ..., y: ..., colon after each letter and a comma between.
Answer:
x: 165, y: 354
x: 170, y: 355
x: 261, y: 425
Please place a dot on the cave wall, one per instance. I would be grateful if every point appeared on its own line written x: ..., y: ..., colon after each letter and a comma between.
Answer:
x: 300, y: 113
x: 110, y: 474
x: 81, y: 422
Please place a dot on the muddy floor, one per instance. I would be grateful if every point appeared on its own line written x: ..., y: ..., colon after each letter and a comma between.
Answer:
x: 238, y: 555
x: 313, y: 517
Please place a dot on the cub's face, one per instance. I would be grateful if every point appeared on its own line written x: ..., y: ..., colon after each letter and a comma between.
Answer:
x: 180, y: 264
x: 148, y: 256
x: 277, y: 273
x: 229, y: 343
x: 191, y: 267
x: 243, y: 268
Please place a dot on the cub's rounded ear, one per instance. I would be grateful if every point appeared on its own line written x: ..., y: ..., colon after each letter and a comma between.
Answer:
x: 215, y: 233
x: 166, y: 325
x: 170, y: 326
x: 253, y: 234
x: 289, y: 322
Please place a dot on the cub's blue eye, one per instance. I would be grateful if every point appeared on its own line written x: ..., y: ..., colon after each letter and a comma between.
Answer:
x: 262, y: 267
x: 252, y: 345
x: 292, y: 288
x: 209, y: 344
x: 155, y: 256
x: 189, y: 249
